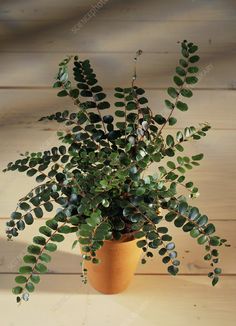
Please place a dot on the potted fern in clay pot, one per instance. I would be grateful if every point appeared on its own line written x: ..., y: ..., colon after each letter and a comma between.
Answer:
x: 96, y: 177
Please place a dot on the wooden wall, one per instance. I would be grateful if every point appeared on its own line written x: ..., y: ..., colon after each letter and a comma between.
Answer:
x: 36, y: 35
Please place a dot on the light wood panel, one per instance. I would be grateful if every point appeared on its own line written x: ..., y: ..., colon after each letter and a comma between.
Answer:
x: 184, y: 10
x: 155, y: 70
x: 23, y: 107
x: 35, y: 36
x: 149, y: 300
x: 66, y: 260
x: 123, y: 36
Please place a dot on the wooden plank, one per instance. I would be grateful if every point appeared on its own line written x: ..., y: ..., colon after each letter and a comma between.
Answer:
x: 66, y: 260
x: 23, y: 107
x: 155, y: 70
x: 28, y: 36
x: 213, y: 177
x: 148, y: 300
x: 184, y: 10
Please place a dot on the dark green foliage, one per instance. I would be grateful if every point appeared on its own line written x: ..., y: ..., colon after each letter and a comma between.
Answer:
x: 94, y: 180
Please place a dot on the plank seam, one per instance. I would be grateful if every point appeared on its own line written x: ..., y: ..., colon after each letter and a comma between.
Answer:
x: 45, y: 219
x: 136, y: 274
x: 112, y: 88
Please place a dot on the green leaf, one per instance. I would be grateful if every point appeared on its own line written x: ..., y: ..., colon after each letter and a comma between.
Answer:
x: 32, y: 249
x: 202, y: 239
x: 179, y: 147
x: 31, y: 172
x: 215, y: 280
x: 173, y: 270
x: 183, y: 206
x: 214, y: 241
x: 142, y: 100
x: 29, y: 259
x: 179, y: 222
x: 20, y: 279
x: 25, y: 270
x: 140, y: 191
x: 20, y: 225
x: 166, y: 259
x: 191, y: 80
x: 193, y: 70
x: 35, y: 279
x: 45, y: 230
x: 52, y: 224
x: 74, y: 244
x: 169, y: 104
x: 170, y: 216
x: 178, y: 81
x: 74, y: 93
x: 41, y: 268
x: 141, y: 243
x: 40, y: 178
x: 209, y: 229
x: 17, y: 290
x: 57, y: 84
x: 202, y: 220
x: 180, y: 71
x: 159, y: 119
x: 62, y: 93
x: 170, y: 140
x: 24, y: 206
x: 172, y: 92
x: 30, y: 287
x: 217, y: 270
x: 38, y: 212
x: 65, y: 229
x: 119, y: 104
x: 28, y: 219
x: 183, y: 63
x: 172, y: 121
x: 139, y: 234
x: 48, y: 206
x: 131, y: 106
x: 193, y: 48
x: 51, y: 247
x: 194, y: 233
x: 39, y: 240
x: 186, y: 92
x: 182, y: 106
x: 194, y: 58
x: 103, y: 105
x: 16, y: 215
x: 57, y: 237
x: 198, y: 157
x: 45, y: 257
x: 193, y: 213
x: 119, y: 113
x: 171, y: 165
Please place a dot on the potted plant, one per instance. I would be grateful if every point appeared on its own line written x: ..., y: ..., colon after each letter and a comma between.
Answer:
x: 96, y: 177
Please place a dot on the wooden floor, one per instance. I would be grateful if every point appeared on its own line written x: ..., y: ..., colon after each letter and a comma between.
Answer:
x: 150, y: 300
x: 34, y: 37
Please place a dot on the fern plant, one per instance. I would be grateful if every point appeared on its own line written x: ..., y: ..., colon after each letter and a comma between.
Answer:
x: 96, y: 174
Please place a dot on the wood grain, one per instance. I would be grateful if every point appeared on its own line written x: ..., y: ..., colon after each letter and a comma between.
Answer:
x: 184, y: 10
x: 66, y: 260
x: 147, y: 301
x: 23, y: 107
x: 211, y: 36
x: 155, y: 70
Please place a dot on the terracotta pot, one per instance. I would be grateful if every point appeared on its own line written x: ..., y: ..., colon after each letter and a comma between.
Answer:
x: 119, y: 259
